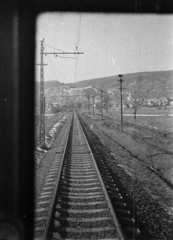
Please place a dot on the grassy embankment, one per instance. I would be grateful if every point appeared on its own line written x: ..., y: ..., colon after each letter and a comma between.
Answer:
x: 50, y: 121
x: 146, y: 141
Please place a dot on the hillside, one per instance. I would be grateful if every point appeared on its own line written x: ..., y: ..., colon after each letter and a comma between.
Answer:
x: 152, y: 84
x: 50, y: 84
x: 146, y: 84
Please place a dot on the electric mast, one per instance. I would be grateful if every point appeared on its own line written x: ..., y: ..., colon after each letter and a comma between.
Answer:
x: 42, y: 97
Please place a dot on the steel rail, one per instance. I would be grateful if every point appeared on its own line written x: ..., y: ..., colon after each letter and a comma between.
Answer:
x: 116, y: 222
x: 97, y: 175
x: 57, y: 183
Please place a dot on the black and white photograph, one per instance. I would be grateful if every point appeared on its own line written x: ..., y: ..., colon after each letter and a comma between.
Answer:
x: 86, y: 133
x: 104, y: 104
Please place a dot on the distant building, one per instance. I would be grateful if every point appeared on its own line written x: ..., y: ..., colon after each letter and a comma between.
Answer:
x: 152, y: 101
x: 129, y: 98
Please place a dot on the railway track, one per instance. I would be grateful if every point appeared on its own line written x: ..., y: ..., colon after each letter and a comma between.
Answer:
x: 80, y: 200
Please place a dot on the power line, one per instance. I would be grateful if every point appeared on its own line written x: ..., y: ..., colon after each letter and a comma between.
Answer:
x: 65, y: 57
x: 56, y: 69
x: 62, y: 75
x: 61, y: 52
x: 54, y: 47
x: 52, y: 65
x: 42, y: 97
x: 77, y: 45
x: 48, y: 56
x: 39, y: 33
x: 56, y: 54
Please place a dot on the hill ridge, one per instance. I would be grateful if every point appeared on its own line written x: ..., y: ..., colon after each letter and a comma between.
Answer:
x: 154, y: 84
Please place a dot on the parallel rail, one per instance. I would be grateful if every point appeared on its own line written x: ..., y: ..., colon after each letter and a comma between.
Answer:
x: 46, y: 199
x: 81, y: 206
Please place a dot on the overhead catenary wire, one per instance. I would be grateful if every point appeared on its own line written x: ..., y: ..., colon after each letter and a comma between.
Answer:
x: 53, y: 67
x: 45, y: 45
x: 77, y: 44
x: 40, y: 34
x: 53, y: 47
x: 56, y: 55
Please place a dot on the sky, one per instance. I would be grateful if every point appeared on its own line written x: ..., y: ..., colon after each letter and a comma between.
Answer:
x: 112, y: 44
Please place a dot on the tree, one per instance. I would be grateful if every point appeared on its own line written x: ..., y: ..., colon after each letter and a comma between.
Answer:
x: 88, y: 102
x: 106, y: 101
x: 93, y: 99
x: 136, y: 101
x: 98, y: 106
x: 90, y: 93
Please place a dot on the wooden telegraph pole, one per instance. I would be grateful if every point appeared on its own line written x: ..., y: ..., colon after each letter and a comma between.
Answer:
x: 101, y: 91
x: 121, y: 94
x: 93, y: 104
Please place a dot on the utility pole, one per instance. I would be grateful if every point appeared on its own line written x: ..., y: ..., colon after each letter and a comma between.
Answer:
x: 62, y: 90
x: 86, y: 106
x: 89, y: 104
x: 62, y: 102
x: 101, y: 91
x: 121, y: 80
x: 93, y: 104
x: 42, y: 97
x: 66, y: 100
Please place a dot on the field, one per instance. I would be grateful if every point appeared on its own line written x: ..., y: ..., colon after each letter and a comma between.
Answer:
x: 144, y: 148
x: 141, y: 158
x: 164, y: 122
